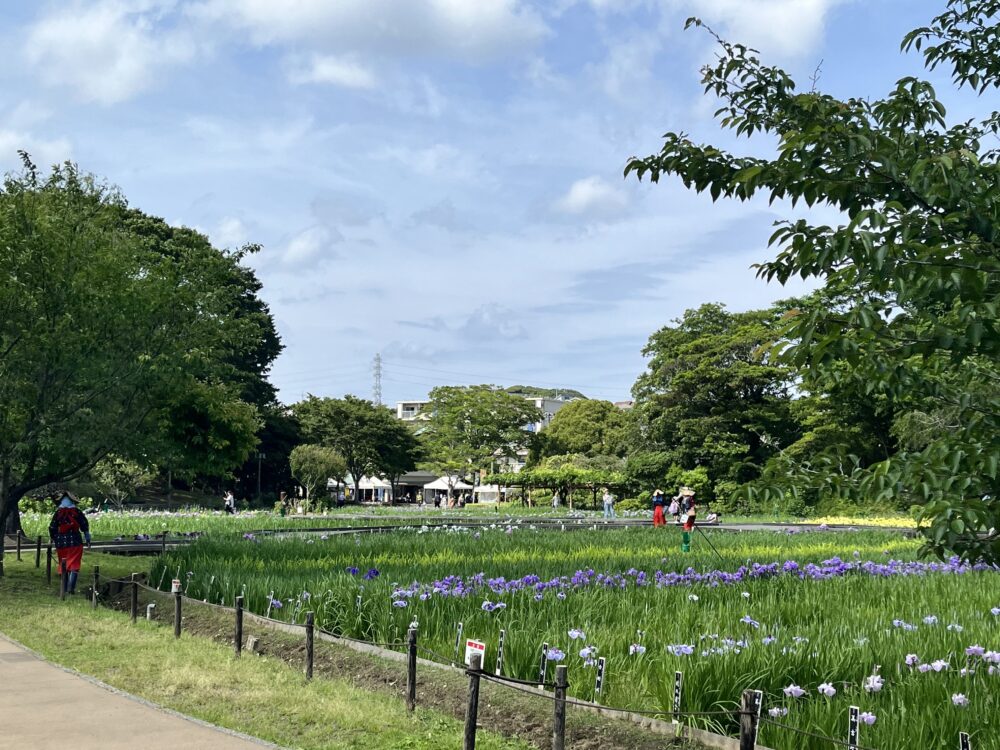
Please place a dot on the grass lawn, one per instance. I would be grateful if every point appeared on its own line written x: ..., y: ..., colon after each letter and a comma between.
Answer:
x: 260, y: 696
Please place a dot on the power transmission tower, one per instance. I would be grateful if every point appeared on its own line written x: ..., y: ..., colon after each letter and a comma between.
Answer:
x: 377, y: 372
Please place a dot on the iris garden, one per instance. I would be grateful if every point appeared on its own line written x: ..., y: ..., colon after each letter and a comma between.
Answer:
x: 817, y: 620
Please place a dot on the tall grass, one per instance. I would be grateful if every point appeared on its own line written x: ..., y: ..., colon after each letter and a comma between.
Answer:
x: 837, y: 631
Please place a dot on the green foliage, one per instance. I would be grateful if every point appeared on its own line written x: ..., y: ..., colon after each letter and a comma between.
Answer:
x: 837, y: 630
x: 313, y: 465
x: 118, y: 478
x: 712, y: 396
x: 590, y: 427
x: 370, y: 439
x: 104, y: 330
x: 915, y: 264
x: 472, y: 425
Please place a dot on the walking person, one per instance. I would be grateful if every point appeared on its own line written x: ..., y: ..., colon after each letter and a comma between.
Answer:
x: 229, y: 503
x: 658, y: 503
x: 689, y: 511
x: 609, y: 504
x: 67, y: 530
x: 675, y: 508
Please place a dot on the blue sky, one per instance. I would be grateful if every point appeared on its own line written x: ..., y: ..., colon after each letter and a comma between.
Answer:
x: 436, y: 180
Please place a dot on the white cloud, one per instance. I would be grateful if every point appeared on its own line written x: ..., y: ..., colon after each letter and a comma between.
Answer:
x: 592, y: 196
x: 308, y: 246
x: 231, y: 233
x: 105, y: 51
x: 44, y: 152
x: 784, y: 27
x: 338, y: 71
x: 469, y: 29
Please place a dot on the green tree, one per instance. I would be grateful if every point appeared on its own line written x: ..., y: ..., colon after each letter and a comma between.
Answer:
x: 102, y: 333
x: 118, y: 478
x: 399, y: 452
x: 711, y: 396
x: 313, y: 465
x: 471, y: 426
x: 354, y: 427
x: 590, y: 427
x: 916, y: 259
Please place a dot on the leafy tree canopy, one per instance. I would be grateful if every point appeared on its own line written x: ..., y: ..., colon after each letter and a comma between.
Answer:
x: 471, y: 425
x: 103, y: 331
x: 313, y: 465
x: 368, y: 436
x: 586, y: 426
x: 916, y: 259
x: 711, y: 395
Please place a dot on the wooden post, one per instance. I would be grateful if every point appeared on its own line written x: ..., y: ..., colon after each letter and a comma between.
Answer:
x: 48, y: 565
x: 177, y: 615
x: 38, y: 553
x: 97, y: 584
x: 163, y: 543
x: 559, y: 714
x: 472, y: 709
x: 411, y: 669
x: 134, y: 601
x: 238, y: 635
x: 18, y: 537
x: 853, y: 726
x: 310, y: 627
x: 749, y: 718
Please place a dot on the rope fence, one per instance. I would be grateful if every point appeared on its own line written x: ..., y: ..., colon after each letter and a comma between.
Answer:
x: 748, y: 714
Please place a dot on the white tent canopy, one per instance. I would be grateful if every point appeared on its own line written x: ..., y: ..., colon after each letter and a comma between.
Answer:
x: 446, y: 483
x: 365, y: 483
x: 488, y: 493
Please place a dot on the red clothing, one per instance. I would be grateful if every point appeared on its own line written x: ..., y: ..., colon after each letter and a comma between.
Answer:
x: 689, y: 521
x: 71, y: 556
x: 658, y: 519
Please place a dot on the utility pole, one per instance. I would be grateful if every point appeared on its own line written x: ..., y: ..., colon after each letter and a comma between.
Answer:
x: 377, y: 386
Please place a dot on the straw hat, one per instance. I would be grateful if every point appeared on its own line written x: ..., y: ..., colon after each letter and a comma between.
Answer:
x: 687, y: 492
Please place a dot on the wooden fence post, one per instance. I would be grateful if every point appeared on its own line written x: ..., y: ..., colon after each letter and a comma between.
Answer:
x: 177, y: 615
x: 310, y: 627
x: 472, y: 709
x: 559, y: 713
x: 18, y: 537
x: 134, y: 600
x: 238, y: 635
x: 411, y: 669
x: 163, y: 543
x: 38, y: 553
x: 749, y: 718
x: 48, y: 565
x: 97, y: 584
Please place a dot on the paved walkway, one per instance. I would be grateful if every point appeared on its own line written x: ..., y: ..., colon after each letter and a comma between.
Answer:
x: 47, y: 708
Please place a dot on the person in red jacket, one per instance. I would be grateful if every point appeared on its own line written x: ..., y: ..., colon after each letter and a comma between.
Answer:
x: 67, y: 530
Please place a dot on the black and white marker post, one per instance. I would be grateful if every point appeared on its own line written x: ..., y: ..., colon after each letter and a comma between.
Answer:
x: 458, y: 639
x: 599, y: 681
x: 542, y: 665
x: 853, y: 724
x: 678, y: 685
x: 963, y: 741
x: 503, y: 637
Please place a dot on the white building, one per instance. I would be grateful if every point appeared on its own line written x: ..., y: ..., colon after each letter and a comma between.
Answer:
x: 411, y: 411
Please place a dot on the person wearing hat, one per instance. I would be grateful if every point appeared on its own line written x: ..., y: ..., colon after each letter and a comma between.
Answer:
x: 67, y: 530
x: 658, y: 503
x: 689, y: 512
